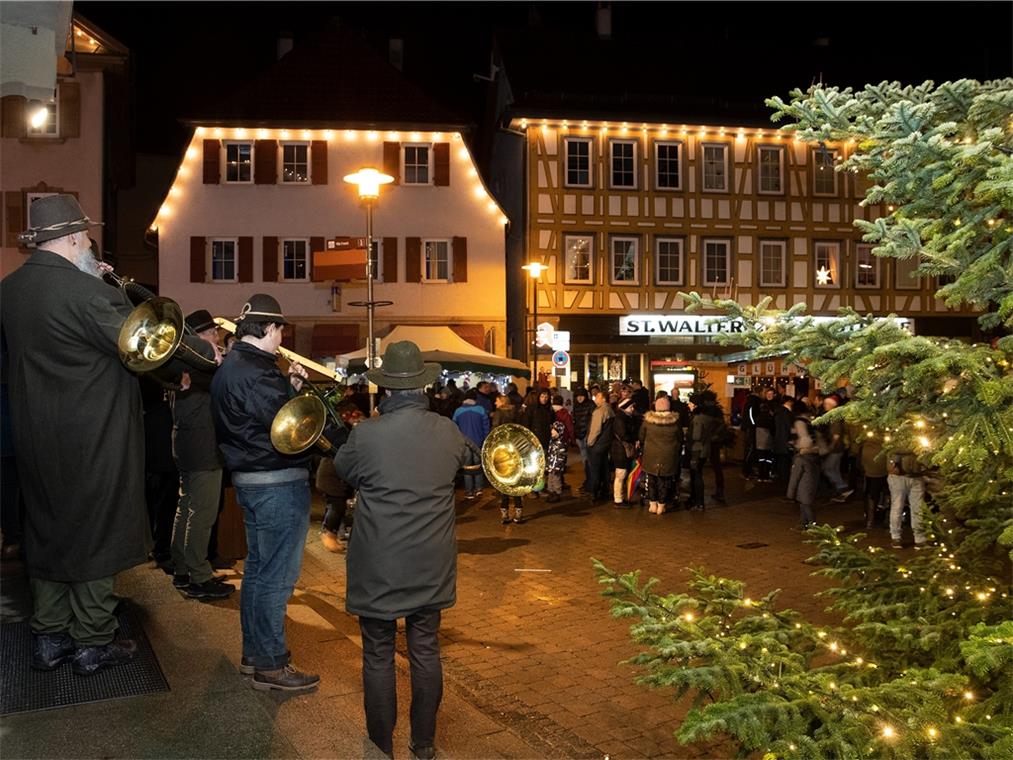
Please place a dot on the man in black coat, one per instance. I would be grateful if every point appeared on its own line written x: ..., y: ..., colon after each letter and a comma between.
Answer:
x: 79, y: 436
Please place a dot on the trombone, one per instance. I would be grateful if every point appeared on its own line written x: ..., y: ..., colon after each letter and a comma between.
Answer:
x: 299, y: 424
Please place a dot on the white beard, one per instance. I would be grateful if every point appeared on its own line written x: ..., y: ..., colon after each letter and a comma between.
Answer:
x: 87, y: 263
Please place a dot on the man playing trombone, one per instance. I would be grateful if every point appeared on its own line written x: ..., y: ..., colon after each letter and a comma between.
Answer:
x: 272, y: 488
x: 79, y: 437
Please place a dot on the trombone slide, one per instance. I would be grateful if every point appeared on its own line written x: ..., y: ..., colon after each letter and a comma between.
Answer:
x: 292, y: 356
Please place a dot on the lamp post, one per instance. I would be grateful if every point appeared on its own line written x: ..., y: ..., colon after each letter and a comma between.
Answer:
x: 367, y: 182
x: 534, y: 270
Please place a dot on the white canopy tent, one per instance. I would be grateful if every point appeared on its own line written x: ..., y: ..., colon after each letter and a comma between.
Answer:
x: 443, y: 345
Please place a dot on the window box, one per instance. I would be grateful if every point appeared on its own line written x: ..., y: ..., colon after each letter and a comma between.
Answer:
x: 579, y: 259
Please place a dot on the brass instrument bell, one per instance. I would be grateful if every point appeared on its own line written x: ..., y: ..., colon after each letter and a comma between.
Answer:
x: 299, y: 424
x: 513, y: 460
x: 150, y: 334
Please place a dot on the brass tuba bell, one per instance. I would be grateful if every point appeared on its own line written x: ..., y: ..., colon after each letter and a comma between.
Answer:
x: 150, y: 334
x: 299, y: 424
x: 513, y: 460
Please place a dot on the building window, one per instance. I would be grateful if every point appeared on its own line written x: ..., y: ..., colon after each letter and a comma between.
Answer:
x: 772, y: 263
x: 824, y: 176
x: 625, y: 260
x: 416, y: 165
x: 624, y: 163
x: 295, y: 163
x: 436, y: 260
x: 667, y: 164
x: 715, y: 167
x: 827, y: 264
x: 668, y: 261
x: 238, y: 162
x: 578, y: 162
x: 717, y: 262
x: 376, y: 260
x: 866, y: 267
x: 295, y: 260
x: 579, y: 259
x: 906, y: 273
x: 223, y: 260
x: 770, y: 163
x: 48, y: 128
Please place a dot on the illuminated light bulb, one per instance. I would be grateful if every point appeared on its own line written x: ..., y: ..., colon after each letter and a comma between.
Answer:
x: 218, y: 132
x: 859, y: 660
x: 742, y: 645
x: 831, y: 686
x: 969, y: 696
x: 492, y: 206
x: 372, y: 136
x: 545, y: 129
x: 888, y: 732
x: 240, y: 133
x: 688, y: 617
x: 932, y: 732
x: 504, y: 220
x: 457, y: 136
x: 416, y: 136
x: 38, y: 117
x: 183, y: 172
x: 437, y: 136
x: 165, y: 210
x: 191, y: 152
x: 261, y: 134
x: 721, y: 131
x: 524, y: 123
x: 479, y: 192
x: 284, y: 134
x: 747, y: 602
x: 328, y: 134
x: 199, y: 130
x: 306, y: 134
x: 919, y: 423
x: 463, y: 154
x: 349, y: 134
x: 174, y: 191
x: 923, y: 441
x: 833, y: 646
x: 822, y: 634
x: 153, y: 228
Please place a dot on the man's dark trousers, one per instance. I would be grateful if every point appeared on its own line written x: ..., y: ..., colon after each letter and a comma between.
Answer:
x: 85, y: 610
x: 378, y: 677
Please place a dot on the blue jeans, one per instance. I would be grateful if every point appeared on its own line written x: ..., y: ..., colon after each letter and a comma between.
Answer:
x: 277, y: 517
x: 473, y: 482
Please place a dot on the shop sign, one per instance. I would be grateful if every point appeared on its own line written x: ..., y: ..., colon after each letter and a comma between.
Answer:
x: 678, y: 324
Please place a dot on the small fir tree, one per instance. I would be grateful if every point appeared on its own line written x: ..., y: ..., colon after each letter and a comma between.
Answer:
x: 922, y: 664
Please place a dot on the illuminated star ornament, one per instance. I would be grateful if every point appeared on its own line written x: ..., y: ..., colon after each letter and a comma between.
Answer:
x: 823, y: 276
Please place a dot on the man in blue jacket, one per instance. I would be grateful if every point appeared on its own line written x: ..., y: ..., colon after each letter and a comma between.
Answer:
x: 471, y: 419
x: 272, y: 488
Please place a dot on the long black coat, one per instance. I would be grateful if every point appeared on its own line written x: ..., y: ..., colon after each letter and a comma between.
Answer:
x: 78, y: 429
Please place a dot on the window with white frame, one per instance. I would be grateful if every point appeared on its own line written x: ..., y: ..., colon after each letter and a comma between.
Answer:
x: 436, y: 260
x: 416, y: 169
x: 50, y: 127
x: 772, y: 263
x: 624, y: 260
x: 223, y: 260
x: 376, y: 260
x: 623, y: 157
x: 579, y: 259
x: 715, y: 167
x: 578, y: 162
x: 668, y: 261
x: 295, y: 265
x: 827, y: 265
x: 295, y: 163
x: 717, y: 262
x: 770, y: 168
x: 824, y: 176
x: 668, y: 165
x: 866, y: 267
x: 238, y: 162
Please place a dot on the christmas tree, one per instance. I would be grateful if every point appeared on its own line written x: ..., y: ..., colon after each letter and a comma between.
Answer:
x: 922, y: 663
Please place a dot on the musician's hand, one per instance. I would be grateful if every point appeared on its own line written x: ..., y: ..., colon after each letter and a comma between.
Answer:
x: 219, y: 355
x: 296, y: 373
x: 184, y: 381
x: 104, y: 267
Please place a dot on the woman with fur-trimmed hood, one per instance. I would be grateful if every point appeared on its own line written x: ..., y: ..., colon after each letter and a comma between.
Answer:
x: 661, y: 442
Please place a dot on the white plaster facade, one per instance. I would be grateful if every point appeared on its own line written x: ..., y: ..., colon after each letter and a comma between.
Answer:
x: 461, y: 209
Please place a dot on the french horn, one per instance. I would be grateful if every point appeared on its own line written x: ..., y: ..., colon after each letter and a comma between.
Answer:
x: 513, y: 460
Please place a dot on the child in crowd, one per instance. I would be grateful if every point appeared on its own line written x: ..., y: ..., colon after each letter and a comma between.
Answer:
x: 555, y: 464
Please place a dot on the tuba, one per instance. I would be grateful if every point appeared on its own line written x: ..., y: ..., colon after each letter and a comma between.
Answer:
x: 513, y: 460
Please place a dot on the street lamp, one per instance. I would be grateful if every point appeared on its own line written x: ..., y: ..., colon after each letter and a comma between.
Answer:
x: 534, y: 270
x: 367, y: 182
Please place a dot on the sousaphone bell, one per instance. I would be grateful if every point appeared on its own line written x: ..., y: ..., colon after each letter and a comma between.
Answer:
x: 513, y: 460
x: 299, y: 424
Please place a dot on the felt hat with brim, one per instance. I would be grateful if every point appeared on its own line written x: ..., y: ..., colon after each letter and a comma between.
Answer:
x: 403, y: 368
x: 54, y: 217
x: 262, y: 308
x: 200, y: 320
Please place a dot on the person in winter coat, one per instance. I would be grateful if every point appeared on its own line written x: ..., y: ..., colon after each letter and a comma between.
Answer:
x: 624, y: 445
x: 538, y: 418
x: 563, y: 415
x: 874, y: 468
x: 805, y: 467
x: 784, y: 420
x: 661, y: 443
x: 749, y: 411
x: 704, y: 425
x: 506, y: 414
x: 472, y: 420
x: 402, y: 556
x: 555, y: 461
x: 599, y: 444
x: 763, y: 434
x: 75, y: 414
x: 830, y: 438
x: 583, y: 408
x: 200, y: 473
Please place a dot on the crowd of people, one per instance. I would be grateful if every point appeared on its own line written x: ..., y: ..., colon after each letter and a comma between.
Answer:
x: 70, y: 396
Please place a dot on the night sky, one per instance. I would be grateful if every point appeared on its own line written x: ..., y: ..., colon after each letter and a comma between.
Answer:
x: 186, y: 54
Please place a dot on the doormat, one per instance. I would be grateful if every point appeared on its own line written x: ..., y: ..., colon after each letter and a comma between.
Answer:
x: 25, y: 690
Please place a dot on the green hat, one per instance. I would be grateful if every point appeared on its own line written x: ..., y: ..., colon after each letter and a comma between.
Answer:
x: 403, y: 368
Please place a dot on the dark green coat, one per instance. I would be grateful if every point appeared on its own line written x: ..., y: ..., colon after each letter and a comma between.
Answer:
x: 661, y: 436
x: 402, y: 556
x: 78, y: 429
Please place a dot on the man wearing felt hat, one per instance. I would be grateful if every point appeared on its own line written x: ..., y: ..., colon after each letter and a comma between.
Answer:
x: 402, y: 555
x: 272, y: 488
x: 79, y: 437
x: 200, y: 473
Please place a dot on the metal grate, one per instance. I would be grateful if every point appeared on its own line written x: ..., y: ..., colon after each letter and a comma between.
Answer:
x: 25, y: 690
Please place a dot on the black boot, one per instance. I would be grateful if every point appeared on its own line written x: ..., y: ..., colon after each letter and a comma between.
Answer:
x: 51, y: 650
x: 90, y: 660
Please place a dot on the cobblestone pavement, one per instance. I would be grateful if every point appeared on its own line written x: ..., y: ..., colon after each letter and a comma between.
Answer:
x: 531, y: 641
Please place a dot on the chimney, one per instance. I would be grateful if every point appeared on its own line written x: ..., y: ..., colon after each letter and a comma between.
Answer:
x: 395, y: 52
x: 604, y: 21
x: 285, y: 44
